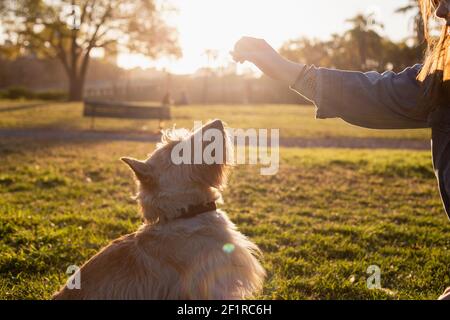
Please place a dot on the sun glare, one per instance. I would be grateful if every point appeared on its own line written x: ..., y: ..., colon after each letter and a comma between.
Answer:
x: 130, y: 61
x: 218, y: 24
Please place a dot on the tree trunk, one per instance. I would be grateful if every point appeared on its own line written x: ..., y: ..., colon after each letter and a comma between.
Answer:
x: 76, y: 86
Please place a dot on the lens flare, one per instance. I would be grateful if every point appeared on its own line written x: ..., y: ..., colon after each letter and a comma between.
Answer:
x: 228, y: 248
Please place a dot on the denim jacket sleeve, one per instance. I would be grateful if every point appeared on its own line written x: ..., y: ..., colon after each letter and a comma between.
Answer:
x: 373, y: 100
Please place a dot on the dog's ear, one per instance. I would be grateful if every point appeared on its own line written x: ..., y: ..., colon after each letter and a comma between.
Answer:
x: 214, y: 124
x: 142, y: 170
x: 213, y: 131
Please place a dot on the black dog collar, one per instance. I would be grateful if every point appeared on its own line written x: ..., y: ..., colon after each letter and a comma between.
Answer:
x: 193, y: 211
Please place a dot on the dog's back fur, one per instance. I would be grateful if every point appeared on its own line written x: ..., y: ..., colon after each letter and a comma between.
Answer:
x: 183, y: 259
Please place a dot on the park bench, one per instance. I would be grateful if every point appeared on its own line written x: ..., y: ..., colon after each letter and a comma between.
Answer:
x: 123, y: 110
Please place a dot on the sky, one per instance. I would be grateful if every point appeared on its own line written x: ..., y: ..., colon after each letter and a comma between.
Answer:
x: 218, y: 24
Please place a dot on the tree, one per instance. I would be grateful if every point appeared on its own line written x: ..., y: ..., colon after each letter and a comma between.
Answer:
x: 414, y: 6
x: 314, y: 51
x: 70, y: 29
x: 361, y: 40
x: 365, y: 38
x: 211, y: 56
x: 372, y: 51
x: 418, y: 26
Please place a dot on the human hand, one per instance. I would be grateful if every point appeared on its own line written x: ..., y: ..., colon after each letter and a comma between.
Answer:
x: 269, y: 61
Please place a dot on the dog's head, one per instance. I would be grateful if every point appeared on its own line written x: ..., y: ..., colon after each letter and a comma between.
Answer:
x: 188, y: 168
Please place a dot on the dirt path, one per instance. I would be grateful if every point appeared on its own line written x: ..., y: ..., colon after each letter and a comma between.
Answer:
x: 297, y: 142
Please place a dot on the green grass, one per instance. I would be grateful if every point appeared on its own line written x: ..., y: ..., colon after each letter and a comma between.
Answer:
x: 321, y: 221
x: 292, y: 120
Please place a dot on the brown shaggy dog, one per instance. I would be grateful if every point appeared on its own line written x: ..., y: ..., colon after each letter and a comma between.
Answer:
x: 186, y: 249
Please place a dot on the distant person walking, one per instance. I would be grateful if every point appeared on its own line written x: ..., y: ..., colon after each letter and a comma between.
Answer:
x: 418, y: 97
x: 183, y: 99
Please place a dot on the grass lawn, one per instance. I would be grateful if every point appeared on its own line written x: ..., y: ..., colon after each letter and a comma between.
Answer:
x: 321, y: 221
x: 292, y: 120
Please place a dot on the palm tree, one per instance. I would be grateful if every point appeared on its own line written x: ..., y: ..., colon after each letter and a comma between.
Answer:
x: 414, y: 6
x: 364, y: 36
x: 211, y: 56
x: 419, y: 28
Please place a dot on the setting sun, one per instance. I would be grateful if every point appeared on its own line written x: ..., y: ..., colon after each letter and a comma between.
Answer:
x: 130, y: 61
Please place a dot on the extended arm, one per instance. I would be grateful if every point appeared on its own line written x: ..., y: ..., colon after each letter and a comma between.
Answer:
x: 372, y: 100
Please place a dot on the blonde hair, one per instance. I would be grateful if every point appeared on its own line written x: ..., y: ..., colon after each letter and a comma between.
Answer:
x: 435, y: 73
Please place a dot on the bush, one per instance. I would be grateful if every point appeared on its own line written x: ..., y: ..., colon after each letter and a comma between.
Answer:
x: 52, y: 95
x: 15, y: 93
